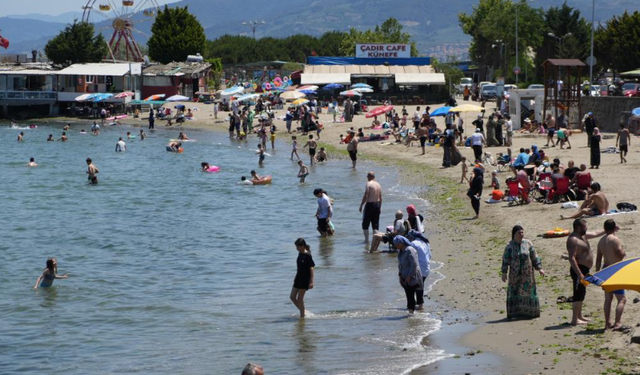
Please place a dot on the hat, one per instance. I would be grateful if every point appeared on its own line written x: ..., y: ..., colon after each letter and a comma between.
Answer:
x: 590, y: 113
x: 478, y: 130
x: 527, y: 120
x: 479, y: 116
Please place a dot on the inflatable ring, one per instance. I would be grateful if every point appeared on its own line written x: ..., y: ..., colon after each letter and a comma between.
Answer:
x: 268, y: 86
x: 555, y: 233
x: 263, y: 181
x: 285, y: 79
x: 213, y: 168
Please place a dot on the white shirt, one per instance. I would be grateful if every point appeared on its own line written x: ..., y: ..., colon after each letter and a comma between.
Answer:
x: 477, y: 139
x: 416, y: 116
x: 324, y: 207
x: 122, y: 146
x: 509, y: 126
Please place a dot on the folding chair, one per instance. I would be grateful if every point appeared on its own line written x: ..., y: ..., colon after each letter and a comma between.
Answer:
x: 513, y: 192
x: 559, y: 191
x: 584, y: 181
x: 542, y: 187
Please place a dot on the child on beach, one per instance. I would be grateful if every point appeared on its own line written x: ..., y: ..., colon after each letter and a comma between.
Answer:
x: 304, y: 171
x: 261, y: 153
x: 321, y: 156
x: 495, y: 183
x: 51, y: 273
x: 465, y: 170
x: 295, y: 147
x: 304, y: 277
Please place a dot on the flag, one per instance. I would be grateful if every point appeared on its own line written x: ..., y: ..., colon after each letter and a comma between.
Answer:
x: 4, y: 42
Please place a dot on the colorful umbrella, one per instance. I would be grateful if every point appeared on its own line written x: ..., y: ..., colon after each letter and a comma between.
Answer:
x: 308, y: 91
x: 442, y: 111
x: 466, y: 108
x: 300, y: 101
x: 378, y: 111
x: 123, y: 95
x: 351, y: 93
x: 364, y: 90
x: 82, y: 97
x: 361, y: 86
x: 333, y: 86
x: 99, y: 97
x: 178, y: 98
x: 232, y: 91
x: 619, y: 276
x: 308, y: 87
x: 636, y: 112
x: 292, y: 95
x: 247, y: 97
x: 155, y: 97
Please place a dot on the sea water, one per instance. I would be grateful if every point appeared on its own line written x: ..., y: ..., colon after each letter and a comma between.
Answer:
x: 172, y: 270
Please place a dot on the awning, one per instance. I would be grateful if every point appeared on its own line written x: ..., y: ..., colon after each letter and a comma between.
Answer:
x: 118, y: 70
x: 631, y: 73
x: 420, y: 79
x: 325, y: 78
x: 29, y: 72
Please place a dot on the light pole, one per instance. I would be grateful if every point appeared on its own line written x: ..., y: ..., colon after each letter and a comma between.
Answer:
x: 516, y: 69
x: 559, y: 39
x: 592, y: 60
x: 253, y: 25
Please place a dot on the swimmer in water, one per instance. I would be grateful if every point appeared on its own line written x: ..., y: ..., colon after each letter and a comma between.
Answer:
x: 182, y: 136
x: 66, y: 127
x: 244, y: 181
x: 95, y: 128
x: 64, y: 137
x: 321, y: 156
x: 121, y: 146
x: 83, y: 132
x: 92, y: 170
x: 255, y: 176
x: 21, y: 137
x: 205, y: 166
x: 129, y: 135
x: 261, y: 157
x: 49, y: 274
x: 304, y: 171
x: 32, y: 163
x: 142, y: 135
x: 175, y: 146
x: 50, y: 139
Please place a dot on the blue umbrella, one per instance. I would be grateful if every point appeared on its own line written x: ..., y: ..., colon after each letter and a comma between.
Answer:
x: 308, y: 92
x: 361, y: 86
x: 333, y: 86
x: 636, y: 112
x: 442, y: 111
x: 99, y: 97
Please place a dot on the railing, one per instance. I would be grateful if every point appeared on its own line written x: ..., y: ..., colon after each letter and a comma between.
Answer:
x: 28, y: 95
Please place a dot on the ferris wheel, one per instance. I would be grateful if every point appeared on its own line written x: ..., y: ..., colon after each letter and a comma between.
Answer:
x: 122, y: 44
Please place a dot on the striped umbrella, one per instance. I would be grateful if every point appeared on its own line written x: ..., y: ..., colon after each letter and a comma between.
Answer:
x: 123, y: 95
x: 351, y: 93
x: 619, y: 276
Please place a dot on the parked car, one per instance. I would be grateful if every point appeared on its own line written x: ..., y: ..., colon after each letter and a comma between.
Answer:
x: 488, y: 92
x: 465, y: 82
x: 481, y: 84
x: 508, y: 88
x: 535, y: 86
x: 631, y: 89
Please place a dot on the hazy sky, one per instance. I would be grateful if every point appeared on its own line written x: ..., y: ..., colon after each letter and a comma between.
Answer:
x: 52, y: 7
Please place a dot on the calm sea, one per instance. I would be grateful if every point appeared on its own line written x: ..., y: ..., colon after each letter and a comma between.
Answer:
x: 177, y: 271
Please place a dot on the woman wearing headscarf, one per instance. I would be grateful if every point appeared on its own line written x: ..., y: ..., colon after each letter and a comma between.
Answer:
x: 475, y: 190
x: 595, y: 148
x: 415, y: 219
x: 409, y: 271
x: 519, y: 261
x: 423, y: 248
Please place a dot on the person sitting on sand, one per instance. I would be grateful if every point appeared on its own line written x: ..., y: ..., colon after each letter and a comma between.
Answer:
x: 321, y: 156
x: 579, y: 175
x: 304, y: 171
x: 244, y: 181
x: 596, y: 204
x: 49, y: 274
x: 400, y: 227
x: 175, y: 146
x: 375, y: 124
x: 32, y: 163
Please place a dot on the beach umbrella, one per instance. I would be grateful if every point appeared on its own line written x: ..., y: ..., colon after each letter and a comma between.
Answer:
x: 308, y: 87
x: 307, y: 91
x: 351, y: 93
x: 363, y: 90
x: 618, y: 276
x: 361, y: 86
x: 466, y: 108
x: 232, y: 91
x: 247, y: 97
x: 442, y: 111
x: 123, y: 95
x: 299, y: 102
x: 178, y: 98
x: 378, y: 111
x: 333, y: 86
x: 292, y: 95
x: 155, y: 97
x: 99, y: 97
x: 82, y: 97
x: 636, y: 112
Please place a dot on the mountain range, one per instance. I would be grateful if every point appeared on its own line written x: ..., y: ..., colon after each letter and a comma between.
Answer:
x: 430, y: 22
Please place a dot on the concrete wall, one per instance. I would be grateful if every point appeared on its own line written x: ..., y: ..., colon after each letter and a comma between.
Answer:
x: 609, y: 111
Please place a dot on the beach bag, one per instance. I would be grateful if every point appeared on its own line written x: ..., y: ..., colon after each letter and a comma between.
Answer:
x: 456, y: 157
x: 626, y: 207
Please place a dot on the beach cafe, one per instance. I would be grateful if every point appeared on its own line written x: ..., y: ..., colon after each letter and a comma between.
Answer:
x: 388, y: 68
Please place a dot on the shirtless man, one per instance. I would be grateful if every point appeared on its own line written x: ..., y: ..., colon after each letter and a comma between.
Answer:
x: 352, y: 148
x: 32, y: 163
x: 304, y: 171
x: 623, y: 139
x: 423, y: 134
x: 551, y: 129
x: 581, y: 261
x: 610, y: 248
x: 64, y: 138
x: 595, y: 204
x: 312, y: 144
x: 372, y: 204
x: 21, y: 137
x: 92, y: 170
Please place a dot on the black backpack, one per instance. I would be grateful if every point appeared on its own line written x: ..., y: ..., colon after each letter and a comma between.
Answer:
x: 626, y: 207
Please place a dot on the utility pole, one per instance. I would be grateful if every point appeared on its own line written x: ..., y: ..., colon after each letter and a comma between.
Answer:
x: 592, y: 59
x: 253, y: 25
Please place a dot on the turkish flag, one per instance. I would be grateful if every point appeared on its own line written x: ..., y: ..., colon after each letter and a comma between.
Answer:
x: 4, y: 42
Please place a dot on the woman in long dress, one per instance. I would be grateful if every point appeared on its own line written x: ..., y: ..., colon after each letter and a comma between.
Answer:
x: 519, y: 261
x: 595, y: 148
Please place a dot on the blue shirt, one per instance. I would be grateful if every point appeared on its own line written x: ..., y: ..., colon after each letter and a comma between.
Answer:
x: 424, y: 256
x: 521, y: 160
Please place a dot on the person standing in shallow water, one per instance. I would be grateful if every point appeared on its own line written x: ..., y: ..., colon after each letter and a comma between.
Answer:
x: 371, y: 205
x: 304, y: 277
x: 49, y: 274
x: 92, y: 170
x: 519, y: 260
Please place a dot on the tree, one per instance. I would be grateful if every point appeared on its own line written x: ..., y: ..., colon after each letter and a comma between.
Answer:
x: 77, y: 43
x: 491, y: 26
x: 389, y: 32
x: 452, y: 74
x: 176, y: 34
x: 616, y: 44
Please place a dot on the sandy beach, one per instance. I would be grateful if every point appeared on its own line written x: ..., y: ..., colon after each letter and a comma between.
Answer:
x: 472, y: 251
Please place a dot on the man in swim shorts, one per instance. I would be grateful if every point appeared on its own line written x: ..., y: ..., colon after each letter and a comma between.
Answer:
x: 304, y: 171
x: 371, y: 205
x: 623, y: 140
x: 32, y: 163
x: 581, y: 261
x: 352, y: 148
x: 92, y: 170
x: 596, y: 203
x: 312, y: 144
x: 611, y: 250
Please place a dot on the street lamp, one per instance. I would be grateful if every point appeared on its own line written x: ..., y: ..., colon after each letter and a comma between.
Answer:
x: 592, y: 60
x: 516, y: 69
x: 559, y: 39
x: 253, y: 25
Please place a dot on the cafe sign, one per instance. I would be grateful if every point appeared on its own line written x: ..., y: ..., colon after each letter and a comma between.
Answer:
x: 392, y: 51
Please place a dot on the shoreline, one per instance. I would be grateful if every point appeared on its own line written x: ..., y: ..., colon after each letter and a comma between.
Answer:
x: 471, y: 253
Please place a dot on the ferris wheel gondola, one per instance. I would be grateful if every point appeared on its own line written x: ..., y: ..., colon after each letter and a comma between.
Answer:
x: 122, y: 44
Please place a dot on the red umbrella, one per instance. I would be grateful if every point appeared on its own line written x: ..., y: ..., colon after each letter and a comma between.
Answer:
x: 378, y: 111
